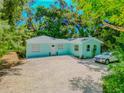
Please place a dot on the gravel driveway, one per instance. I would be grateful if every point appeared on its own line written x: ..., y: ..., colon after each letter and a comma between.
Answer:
x: 62, y: 74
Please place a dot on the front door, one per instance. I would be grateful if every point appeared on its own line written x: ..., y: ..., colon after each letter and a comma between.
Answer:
x: 53, y: 50
x: 94, y: 51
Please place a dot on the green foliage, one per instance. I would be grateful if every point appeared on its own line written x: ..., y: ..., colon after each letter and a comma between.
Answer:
x: 10, y: 39
x: 11, y: 11
x: 1, y: 62
x: 111, y: 11
x: 97, y: 11
x: 13, y: 41
x: 58, y: 22
x: 114, y: 82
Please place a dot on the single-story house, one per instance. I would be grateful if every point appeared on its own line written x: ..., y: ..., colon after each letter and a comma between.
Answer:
x: 44, y: 46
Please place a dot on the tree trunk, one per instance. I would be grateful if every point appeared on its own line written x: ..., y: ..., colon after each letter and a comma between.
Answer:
x: 121, y: 29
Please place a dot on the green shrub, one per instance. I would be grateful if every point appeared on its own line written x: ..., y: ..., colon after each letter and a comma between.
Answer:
x: 1, y: 62
x: 14, y: 41
x: 114, y: 82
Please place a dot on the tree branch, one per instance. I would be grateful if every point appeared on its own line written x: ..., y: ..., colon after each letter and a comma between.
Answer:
x: 121, y: 29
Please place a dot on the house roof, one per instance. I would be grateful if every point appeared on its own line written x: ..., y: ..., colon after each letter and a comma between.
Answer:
x: 47, y: 39
x: 79, y: 40
x: 40, y: 39
x: 61, y: 41
x: 85, y: 39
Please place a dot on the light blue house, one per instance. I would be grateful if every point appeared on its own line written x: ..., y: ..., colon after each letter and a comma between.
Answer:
x: 44, y: 46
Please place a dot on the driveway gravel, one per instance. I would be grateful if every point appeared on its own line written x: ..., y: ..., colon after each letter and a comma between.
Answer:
x: 59, y: 74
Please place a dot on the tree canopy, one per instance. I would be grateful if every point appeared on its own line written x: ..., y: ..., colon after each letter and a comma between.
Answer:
x: 109, y: 12
x: 12, y: 10
x: 107, y: 19
x: 60, y: 21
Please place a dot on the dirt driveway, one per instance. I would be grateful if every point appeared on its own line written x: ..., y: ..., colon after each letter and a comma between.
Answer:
x: 62, y: 74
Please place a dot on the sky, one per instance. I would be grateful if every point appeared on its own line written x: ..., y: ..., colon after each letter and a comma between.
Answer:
x: 47, y: 3
x: 36, y: 3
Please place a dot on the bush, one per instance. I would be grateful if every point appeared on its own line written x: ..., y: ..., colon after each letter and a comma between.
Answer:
x: 114, y: 82
x: 14, y: 41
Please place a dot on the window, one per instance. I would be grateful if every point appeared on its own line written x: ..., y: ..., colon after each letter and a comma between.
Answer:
x: 53, y: 45
x: 76, y: 48
x: 60, y: 46
x: 88, y: 47
x: 35, y: 48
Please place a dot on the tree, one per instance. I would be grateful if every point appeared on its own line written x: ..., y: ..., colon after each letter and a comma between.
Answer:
x: 12, y: 40
x: 109, y: 10
x: 12, y: 11
x: 58, y: 22
x: 104, y: 17
x: 113, y: 27
x: 107, y: 16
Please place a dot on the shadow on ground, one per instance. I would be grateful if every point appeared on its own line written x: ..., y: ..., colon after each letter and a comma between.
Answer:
x: 95, y: 66
x: 85, y: 85
x: 9, y: 72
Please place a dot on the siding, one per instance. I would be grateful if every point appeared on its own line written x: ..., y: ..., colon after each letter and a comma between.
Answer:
x: 68, y: 49
x: 65, y: 50
x: 89, y: 54
x: 44, y: 51
x: 73, y: 52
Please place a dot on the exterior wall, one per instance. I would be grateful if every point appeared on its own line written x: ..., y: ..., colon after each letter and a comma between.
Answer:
x: 73, y: 52
x: 68, y: 49
x: 44, y: 51
x: 65, y: 50
x: 89, y: 54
